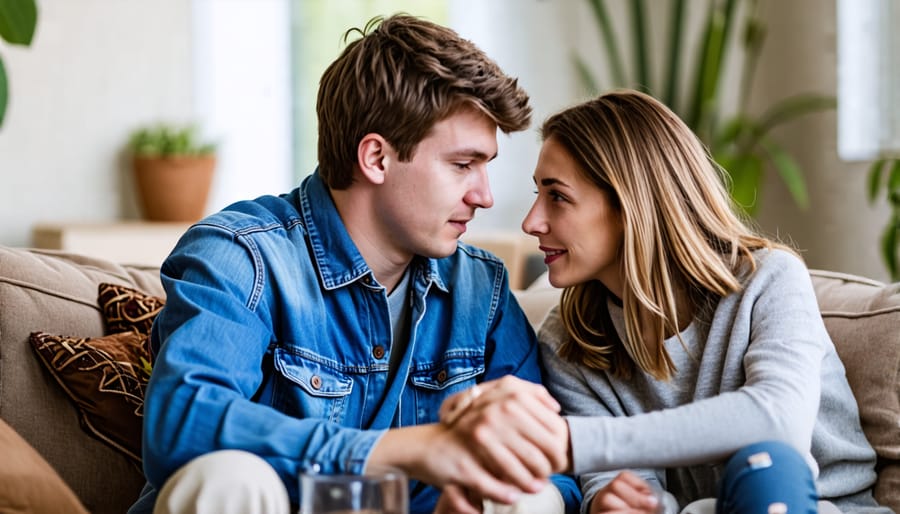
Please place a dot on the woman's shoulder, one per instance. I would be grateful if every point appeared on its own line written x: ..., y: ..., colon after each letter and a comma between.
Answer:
x: 777, y: 269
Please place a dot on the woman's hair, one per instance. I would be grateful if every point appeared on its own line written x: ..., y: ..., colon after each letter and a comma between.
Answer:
x: 400, y: 78
x: 682, y: 237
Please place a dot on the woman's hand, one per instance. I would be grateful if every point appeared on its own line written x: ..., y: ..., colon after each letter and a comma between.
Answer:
x: 625, y: 493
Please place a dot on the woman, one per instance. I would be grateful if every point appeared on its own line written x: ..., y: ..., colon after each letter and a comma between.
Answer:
x: 687, y: 351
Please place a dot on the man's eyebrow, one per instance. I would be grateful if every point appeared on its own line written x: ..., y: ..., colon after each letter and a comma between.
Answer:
x: 472, y: 154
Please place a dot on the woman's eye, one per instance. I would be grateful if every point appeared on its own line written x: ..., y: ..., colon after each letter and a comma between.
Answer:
x: 556, y: 197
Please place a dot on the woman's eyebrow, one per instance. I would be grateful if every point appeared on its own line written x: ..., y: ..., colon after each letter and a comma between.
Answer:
x: 553, y: 182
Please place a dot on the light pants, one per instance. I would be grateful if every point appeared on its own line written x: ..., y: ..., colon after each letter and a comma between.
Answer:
x: 224, y: 482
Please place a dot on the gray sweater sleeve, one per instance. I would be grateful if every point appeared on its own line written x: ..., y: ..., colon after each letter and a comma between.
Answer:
x: 747, y: 373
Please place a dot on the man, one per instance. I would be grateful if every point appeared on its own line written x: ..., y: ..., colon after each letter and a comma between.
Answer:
x: 321, y: 330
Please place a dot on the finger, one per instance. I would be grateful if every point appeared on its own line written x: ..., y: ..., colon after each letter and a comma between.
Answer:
x: 455, y: 405
x: 510, y: 457
x: 538, y: 428
x: 634, y: 491
x: 455, y: 500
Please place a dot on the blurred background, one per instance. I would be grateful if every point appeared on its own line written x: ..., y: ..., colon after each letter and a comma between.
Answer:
x: 799, y: 100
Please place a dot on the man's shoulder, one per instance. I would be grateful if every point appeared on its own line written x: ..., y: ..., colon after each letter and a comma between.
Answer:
x: 264, y: 213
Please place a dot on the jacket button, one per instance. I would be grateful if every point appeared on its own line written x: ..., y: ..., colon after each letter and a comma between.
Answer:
x: 378, y: 352
x: 316, y: 382
x: 442, y: 376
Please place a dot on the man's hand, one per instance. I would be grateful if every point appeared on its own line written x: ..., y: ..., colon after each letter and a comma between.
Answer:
x: 625, y: 493
x: 506, y: 440
x: 456, y: 500
x: 514, y: 428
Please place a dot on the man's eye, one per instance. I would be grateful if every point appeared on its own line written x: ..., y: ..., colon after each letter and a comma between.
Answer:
x: 462, y: 165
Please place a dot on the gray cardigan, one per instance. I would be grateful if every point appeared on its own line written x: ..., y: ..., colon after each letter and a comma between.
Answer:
x: 758, y: 365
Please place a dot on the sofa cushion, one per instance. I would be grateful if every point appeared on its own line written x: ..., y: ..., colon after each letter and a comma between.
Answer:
x: 56, y: 292
x: 28, y: 483
x: 863, y: 319
x: 105, y: 377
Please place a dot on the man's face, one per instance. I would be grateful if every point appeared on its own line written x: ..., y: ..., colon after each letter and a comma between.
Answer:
x: 426, y: 203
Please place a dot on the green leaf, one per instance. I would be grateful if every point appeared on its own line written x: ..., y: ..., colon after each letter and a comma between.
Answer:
x: 893, y: 182
x: 789, y: 171
x: 745, y: 173
x: 609, y: 40
x: 793, y: 107
x: 585, y: 76
x: 875, y: 173
x: 18, y: 18
x: 674, y: 60
x: 641, y: 46
x: 889, y: 247
x: 4, y: 92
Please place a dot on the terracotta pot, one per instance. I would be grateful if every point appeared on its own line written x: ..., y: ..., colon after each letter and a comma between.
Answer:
x: 173, y: 188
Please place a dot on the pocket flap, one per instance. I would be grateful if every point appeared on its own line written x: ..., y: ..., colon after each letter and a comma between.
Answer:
x: 311, y: 375
x: 452, y: 370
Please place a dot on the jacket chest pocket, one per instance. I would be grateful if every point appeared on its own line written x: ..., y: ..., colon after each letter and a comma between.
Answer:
x: 433, y: 383
x: 308, y: 388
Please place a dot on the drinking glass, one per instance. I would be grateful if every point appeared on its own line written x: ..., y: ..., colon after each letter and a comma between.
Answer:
x: 380, y: 490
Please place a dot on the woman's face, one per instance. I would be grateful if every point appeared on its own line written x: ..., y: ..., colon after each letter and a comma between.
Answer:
x: 579, y: 229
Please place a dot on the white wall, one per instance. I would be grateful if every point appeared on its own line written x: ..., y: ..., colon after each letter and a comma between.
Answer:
x: 94, y: 70
x: 99, y: 68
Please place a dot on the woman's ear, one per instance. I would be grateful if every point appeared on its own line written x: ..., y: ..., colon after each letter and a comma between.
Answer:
x: 371, y: 155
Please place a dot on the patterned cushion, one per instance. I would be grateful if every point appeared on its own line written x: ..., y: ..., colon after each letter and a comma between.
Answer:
x: 106, y: 376
x: 125, y: 309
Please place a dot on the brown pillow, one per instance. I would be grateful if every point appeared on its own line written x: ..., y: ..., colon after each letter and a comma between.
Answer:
x: 105, y: 377
x: 28, y: 483
x: 125, y: 309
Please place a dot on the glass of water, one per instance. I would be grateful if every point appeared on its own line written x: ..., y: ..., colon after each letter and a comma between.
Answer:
x: 379, y: 490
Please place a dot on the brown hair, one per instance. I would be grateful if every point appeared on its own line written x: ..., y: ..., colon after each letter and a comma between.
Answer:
x: 682, y: 235
x: 400, y: 78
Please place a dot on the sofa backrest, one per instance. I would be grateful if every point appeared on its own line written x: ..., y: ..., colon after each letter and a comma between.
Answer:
x: 56, y: 293
x: 862, y: 317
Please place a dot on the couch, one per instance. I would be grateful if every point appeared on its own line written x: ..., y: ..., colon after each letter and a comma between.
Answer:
x: 52, y: 459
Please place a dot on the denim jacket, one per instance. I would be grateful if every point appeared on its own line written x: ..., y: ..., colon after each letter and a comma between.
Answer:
x: 276, y: 338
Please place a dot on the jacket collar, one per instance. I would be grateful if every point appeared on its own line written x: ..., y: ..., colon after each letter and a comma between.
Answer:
x: 337, y: 258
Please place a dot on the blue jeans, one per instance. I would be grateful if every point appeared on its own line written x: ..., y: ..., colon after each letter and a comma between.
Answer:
x: 763, y: 475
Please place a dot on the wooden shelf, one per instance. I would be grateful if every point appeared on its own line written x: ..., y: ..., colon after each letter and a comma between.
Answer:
x: 126, y: 242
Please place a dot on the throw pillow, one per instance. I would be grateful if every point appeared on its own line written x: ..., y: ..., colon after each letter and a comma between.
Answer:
x: 105, y: 377
x: 125, y: 309
x: 28, y: 483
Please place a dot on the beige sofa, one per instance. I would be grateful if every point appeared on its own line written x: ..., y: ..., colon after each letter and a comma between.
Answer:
x: 57, y: 293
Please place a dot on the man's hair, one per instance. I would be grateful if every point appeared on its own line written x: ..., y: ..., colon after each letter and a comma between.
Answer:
x: 681, y: 231
x: 400, y: 78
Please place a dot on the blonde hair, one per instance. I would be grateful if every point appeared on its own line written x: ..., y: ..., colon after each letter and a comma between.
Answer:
x: 682, y: 236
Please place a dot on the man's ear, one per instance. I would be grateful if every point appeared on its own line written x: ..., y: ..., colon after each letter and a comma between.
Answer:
x: 371, y: 155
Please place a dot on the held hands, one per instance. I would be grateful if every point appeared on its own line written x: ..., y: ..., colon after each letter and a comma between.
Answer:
x: 513, y: 429
x: 626, y: 493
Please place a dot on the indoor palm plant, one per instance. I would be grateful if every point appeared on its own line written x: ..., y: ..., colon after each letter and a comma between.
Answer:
x: 18, y: 18
x: 739, y: 142
x: 884, y: 176
x: 173, y: 171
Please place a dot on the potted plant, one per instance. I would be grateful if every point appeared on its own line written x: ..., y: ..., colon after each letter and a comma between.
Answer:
x: 173, y: 171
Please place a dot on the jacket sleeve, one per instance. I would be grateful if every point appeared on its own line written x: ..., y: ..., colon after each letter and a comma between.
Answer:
x: 210, y: 342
